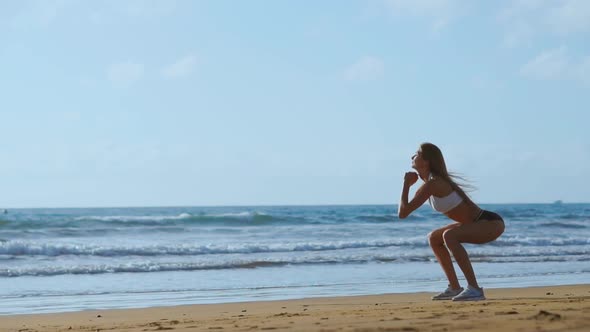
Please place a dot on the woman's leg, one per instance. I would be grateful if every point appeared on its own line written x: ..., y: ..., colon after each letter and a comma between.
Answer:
x: 435, y: 238
x: 479, y: 232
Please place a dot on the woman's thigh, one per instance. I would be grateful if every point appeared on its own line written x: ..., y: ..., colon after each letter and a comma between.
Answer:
x: 436, y: 235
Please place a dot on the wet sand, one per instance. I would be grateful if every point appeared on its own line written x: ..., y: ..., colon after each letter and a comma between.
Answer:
x: 555, y: 308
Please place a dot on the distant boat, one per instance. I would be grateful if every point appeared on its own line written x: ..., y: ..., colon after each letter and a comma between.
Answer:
x: 558, y: 202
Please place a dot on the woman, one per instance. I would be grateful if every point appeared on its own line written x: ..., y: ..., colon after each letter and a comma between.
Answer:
x: 471, y: 223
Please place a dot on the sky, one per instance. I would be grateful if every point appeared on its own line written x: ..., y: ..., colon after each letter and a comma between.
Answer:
x: 217, y: 102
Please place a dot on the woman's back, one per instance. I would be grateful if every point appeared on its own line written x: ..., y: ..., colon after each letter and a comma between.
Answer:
x: 460, y: 209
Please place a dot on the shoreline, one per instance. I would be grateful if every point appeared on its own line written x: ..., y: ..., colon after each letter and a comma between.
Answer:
x: 564, y: 307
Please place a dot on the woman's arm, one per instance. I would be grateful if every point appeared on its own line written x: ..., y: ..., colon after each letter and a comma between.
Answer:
x: 422, y: 194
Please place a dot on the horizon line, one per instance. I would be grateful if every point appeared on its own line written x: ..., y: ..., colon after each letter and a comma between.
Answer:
x: 556, y: 202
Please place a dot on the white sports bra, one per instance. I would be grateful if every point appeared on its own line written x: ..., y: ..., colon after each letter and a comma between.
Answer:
x: 445, y: 204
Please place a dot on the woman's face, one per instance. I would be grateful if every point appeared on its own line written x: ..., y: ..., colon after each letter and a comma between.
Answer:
x: 418, y: 162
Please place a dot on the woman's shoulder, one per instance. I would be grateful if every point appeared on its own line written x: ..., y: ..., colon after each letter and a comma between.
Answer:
x: 437, y: 180
x: 439, y: 186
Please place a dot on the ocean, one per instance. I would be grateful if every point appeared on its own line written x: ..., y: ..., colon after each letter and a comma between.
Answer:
x: 55, y: 260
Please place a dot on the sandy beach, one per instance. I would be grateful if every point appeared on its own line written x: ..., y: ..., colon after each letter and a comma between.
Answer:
x: 555, y: 308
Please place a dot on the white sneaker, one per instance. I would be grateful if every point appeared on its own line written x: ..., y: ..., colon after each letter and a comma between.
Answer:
x: 470, y: 294
x: 448, y: 294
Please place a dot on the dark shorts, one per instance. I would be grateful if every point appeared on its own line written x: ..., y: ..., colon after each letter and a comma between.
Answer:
x: 488, y: 215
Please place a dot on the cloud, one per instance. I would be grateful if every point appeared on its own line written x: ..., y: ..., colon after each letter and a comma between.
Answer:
x: 181, y: 68
x: 571, y: 16
x: 440, y: 12
x: 520, y: 20
x: 524, y: 20
x: 365, y: 69
x: 551, y: 64
x: 125, y: 74
x: 556, y: 64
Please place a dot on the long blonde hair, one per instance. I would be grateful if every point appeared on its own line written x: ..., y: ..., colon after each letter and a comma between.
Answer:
x: 438, y: 167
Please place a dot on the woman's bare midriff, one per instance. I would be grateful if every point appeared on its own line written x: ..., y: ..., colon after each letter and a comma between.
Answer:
x: 464, y: 213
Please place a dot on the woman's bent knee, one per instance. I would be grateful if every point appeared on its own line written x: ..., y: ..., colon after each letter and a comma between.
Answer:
x: 435, y: 238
